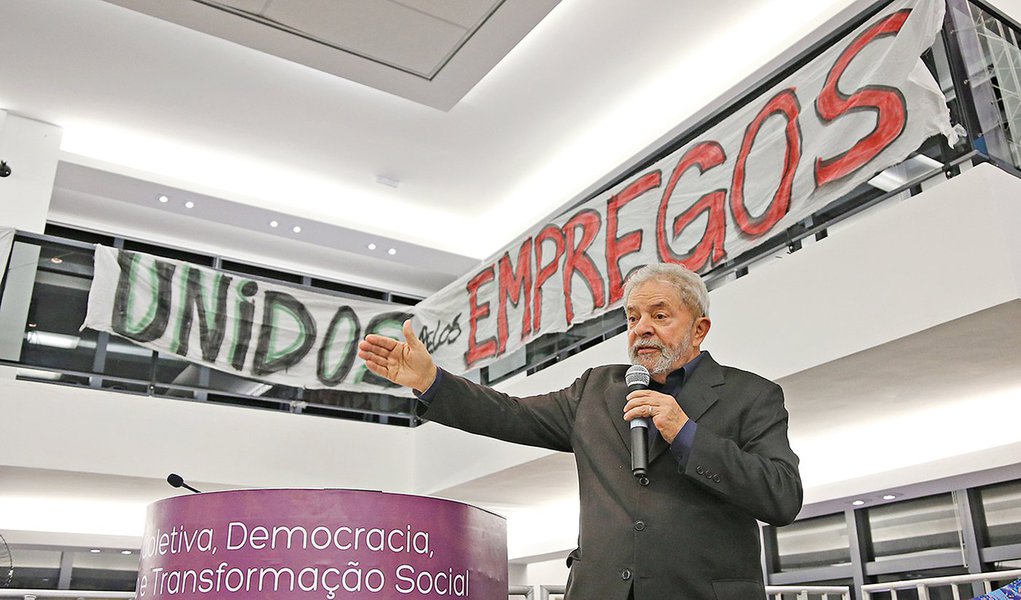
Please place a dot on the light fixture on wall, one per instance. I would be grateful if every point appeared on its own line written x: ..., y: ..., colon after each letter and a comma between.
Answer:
x: 5, y: 169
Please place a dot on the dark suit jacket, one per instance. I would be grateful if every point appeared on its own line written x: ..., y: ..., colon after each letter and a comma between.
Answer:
x: 691, y: 533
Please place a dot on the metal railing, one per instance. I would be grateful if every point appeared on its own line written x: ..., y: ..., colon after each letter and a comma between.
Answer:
x: 923, y: 586
x: 808, y: 592
x: 773, y: 592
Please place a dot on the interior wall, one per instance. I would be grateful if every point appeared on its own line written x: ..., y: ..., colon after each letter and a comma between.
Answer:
x: 29, y: 147
x: 148, y: 437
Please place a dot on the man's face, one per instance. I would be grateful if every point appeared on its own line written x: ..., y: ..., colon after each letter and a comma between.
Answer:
x: 662, y: 334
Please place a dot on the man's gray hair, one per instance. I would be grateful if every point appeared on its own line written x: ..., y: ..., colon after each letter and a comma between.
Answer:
x: 689, y: 285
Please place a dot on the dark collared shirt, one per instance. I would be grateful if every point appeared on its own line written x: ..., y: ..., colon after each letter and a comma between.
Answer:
x: 680, y: 448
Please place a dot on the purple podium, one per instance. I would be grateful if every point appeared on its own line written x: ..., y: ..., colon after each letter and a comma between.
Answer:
x: 320, y: 544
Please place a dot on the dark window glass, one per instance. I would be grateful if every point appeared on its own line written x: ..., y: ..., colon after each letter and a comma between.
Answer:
x: 109, y: 570
x: 914, y: 527
x: 1001, y: 504
x: 56, y: 312
x: 818, y: 542
x: 35, y: 569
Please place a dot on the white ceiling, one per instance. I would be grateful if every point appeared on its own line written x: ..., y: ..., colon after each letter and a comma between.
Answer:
x: 592, y: 86
x: 427, y: 51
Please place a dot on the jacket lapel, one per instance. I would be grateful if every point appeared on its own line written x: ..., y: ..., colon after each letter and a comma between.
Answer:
x: 616, y: 397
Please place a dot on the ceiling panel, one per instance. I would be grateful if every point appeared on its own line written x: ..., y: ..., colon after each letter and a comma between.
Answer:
x: 251, y: 6
x: 466, y: 13
x: 429, y: 51
x: 386, y: 31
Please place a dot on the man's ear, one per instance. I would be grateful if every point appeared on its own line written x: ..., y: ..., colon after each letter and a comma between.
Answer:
x: 702, y: 325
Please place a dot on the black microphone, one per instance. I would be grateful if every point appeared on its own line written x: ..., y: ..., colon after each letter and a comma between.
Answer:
x: 177, y: 481
x: 637, y: 378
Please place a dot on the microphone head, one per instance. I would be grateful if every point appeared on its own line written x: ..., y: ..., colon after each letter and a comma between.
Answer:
x: 637, y: 375
x: 175, y: 480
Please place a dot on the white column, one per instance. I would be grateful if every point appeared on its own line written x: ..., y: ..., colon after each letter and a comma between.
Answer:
x: 31, y: 149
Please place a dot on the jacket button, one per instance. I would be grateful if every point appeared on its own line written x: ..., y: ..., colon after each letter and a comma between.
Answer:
x: 699, y: 470
x: 708, y: 475
x: 716, y: 478
x: 643, y: 481
x: 625, y: 574
x: 639, y: 525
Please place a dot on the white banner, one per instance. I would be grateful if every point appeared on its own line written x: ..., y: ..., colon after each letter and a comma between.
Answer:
x: 238, y: 325
x: 6, y: 243
x: 859, y: 107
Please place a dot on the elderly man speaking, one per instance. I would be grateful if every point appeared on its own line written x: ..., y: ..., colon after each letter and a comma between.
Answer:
x: 719, y: 458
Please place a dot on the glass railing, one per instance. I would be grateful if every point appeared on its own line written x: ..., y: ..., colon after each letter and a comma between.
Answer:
x: 44, y: 302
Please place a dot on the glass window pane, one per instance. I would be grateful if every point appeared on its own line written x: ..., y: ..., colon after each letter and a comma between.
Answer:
x: 914, y: 527
x: 35, y: 569
x: 56, y: 312
x: 128, y: 360
x: 1002, y: 506
x: 109, y: 571
x: 818, y: 542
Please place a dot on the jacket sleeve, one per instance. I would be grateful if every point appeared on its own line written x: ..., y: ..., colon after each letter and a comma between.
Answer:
x: 758, y: 471
x: 545, y: 421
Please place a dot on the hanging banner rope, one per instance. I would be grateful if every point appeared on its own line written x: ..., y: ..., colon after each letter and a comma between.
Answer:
x: 864, y: 104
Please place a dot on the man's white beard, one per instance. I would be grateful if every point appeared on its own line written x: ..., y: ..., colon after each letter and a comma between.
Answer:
x: 668, y: 355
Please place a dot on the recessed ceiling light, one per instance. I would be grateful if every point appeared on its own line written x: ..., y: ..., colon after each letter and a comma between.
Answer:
x: 189, y: 204
x: 274, y: 224
x: 163, y: 198
x: 296, y: 229
x: 95, y: 551
x: 56, y: 260
x: 392, y: 251
x: 125, y: 552
x: 858, y: 502
x: 889, y: 496
x: 372, y: 246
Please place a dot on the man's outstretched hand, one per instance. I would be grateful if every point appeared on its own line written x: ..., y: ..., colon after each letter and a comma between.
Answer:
x: 407, y: 363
